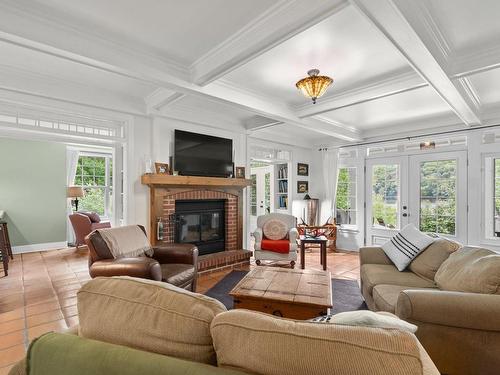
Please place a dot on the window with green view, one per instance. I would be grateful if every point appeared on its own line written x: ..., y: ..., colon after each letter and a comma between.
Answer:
x: 95, y: 174
x: 346, y: 196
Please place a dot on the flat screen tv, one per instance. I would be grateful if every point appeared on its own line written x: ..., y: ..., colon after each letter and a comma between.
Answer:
x: 202, y: 155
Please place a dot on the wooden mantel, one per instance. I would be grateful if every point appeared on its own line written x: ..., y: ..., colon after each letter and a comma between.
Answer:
x: 159, y: 180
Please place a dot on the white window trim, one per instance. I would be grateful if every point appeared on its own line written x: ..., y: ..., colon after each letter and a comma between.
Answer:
x: 488, y: 191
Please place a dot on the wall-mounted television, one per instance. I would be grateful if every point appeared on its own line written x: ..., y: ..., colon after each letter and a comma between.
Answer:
x: 202, y: 155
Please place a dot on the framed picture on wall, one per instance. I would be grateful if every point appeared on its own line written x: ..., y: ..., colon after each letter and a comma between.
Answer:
x: 302, y: 169
x: 302, y: 187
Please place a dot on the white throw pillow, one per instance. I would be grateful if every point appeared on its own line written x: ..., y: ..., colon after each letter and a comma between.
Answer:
x: 406, y: 245
x: 366, y: 318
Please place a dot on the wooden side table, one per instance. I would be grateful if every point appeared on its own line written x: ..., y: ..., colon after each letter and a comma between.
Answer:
x: 321, y: 240
x: 5, y: 247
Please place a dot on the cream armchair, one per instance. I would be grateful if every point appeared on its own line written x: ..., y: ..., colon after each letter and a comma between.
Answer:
x: 260, y: 254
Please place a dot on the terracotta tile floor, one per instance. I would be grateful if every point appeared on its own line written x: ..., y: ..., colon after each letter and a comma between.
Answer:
x: 39, y: 295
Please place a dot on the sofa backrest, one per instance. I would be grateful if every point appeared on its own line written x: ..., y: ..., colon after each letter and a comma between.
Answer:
x: 289, y: 220
x: 148, y: 315
x: 470, y: 269
x: 428, y: 261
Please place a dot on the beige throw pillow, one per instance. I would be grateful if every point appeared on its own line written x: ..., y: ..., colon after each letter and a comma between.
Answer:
x: 470, y: 269
x: 264, y: 344
x: 428, y: 261
x: 148, y: 315
x: 275, y: 229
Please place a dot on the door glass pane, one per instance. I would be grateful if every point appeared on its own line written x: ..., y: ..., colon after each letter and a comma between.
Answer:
x: 267, y: 192
x: 438, y: 196
x: 346, y: 196
x: 385, y: 196
x: 253, y: 195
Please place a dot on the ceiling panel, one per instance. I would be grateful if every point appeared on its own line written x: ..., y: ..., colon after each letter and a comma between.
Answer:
x: 345, y: 46
x: 466, y: 24
x: 169, y: 27
x: 32, y: 62
x: 415, y: 105
x: 486, y: 86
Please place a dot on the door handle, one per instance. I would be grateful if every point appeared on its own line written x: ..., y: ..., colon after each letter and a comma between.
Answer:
x: 405, y: 214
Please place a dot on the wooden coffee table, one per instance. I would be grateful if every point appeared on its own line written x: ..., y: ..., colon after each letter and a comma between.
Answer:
x: 290, y: 293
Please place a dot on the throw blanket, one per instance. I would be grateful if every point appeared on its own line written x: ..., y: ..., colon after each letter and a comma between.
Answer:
x: 125, y: 242
x: 277, y: 246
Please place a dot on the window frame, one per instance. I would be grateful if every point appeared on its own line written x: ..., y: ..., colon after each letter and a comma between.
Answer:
x: 351, y: 195
x: 108, y: 180
x: 489, y: 196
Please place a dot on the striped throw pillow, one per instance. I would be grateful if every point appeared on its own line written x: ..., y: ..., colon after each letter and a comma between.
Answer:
x: 406, y: 245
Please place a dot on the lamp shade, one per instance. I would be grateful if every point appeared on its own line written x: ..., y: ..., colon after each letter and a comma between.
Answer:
x: 75, y: 192
x: 315, y: 85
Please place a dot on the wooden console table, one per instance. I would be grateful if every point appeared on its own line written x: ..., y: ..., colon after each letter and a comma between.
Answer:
x: 321, y: 240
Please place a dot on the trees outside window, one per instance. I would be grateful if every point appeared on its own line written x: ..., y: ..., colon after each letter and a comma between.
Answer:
x: 385, y: 195
x: 95, y: 174
x: 438, y: 196
x: 496, y: 203
x: 346, y: 196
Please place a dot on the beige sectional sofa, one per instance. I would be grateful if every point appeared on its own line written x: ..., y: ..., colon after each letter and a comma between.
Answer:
x: 452, y: 294
x: 132, y: 325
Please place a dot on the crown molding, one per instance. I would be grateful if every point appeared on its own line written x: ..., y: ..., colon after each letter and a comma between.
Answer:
x: 390, y: 84
x: 477, y: 60
x: 284, y: 20
x: 470, y: 92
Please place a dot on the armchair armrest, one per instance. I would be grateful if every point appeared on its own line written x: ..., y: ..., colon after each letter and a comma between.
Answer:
x: 143, y: 267
x: 177, y: 253
x: 258, y: 235
x: 373, y: 255
x: 455, y: 309
x: 293, y: 235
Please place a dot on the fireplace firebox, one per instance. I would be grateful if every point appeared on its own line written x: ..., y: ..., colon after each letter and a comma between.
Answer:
x: 202, y: 223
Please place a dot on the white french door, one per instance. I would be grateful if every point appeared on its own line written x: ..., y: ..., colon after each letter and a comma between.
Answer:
x: 261, y: 201
x: 428, y: 190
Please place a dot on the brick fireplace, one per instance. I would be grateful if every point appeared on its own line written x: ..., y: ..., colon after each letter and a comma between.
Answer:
x: 166, y: 190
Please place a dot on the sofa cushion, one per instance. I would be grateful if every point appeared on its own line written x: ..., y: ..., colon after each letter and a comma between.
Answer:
x: 177, y: 274
x: 386, y: 296
x: 148, y: 315
x: 93, y: 216
x: 264, y: 344
x: 375, y: 274
x: 428, y: 261
x: 275, y: 229
x: 470, y: 269
x: 406, y: 245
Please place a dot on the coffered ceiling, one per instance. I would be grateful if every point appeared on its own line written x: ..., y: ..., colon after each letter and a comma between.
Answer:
x: 398, y: 65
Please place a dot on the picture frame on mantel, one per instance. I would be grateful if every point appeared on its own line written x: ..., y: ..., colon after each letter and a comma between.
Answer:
x: 302, y: 169
x: 162, y: 168
x: 240, y: 172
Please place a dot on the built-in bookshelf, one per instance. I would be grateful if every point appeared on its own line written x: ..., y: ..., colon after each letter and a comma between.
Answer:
x: 281, y: 186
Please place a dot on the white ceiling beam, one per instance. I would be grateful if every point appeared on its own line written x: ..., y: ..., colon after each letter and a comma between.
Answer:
x: 160, y: 99
x: 257, y: 122
x: 281, y: 22
x: 390, y: 21
x: 477, y: 61
x: 380, y: 88
x: 99, y: 55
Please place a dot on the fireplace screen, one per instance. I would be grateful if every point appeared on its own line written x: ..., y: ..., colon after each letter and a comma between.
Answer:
x: 201, y: 222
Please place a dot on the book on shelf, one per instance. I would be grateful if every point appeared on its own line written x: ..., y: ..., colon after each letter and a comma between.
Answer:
x: 283, y: 202
x: 283, y: 186
x: 283, y: 172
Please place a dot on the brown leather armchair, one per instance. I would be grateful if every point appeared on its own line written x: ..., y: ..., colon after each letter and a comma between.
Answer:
x: 176, y: 264
x: 82, y: 226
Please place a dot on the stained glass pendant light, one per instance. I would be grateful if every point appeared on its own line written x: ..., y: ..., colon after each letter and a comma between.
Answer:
x: 315, y: 85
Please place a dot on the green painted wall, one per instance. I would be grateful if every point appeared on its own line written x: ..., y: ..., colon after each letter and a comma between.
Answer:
x: 33, y: 190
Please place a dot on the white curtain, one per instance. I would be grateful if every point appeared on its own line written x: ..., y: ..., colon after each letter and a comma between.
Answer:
x: 330, y: 161
x: 72, y: 156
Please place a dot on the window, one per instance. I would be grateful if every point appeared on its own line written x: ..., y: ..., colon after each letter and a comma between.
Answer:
x: 438, y: 196
x: 385, y: 195
x: 346, y: 196
x: 492, y: 197
x: 95, y: 174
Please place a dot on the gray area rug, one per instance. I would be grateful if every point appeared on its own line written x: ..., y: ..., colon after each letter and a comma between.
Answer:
x: 346, y: 293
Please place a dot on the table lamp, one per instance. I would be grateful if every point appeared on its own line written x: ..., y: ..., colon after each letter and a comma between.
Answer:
x: 75, y: 192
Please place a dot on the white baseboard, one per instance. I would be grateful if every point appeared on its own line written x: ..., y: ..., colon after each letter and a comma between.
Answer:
x: 39, y: 247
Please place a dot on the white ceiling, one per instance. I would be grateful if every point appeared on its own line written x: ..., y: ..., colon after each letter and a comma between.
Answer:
x: 397, y: 65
